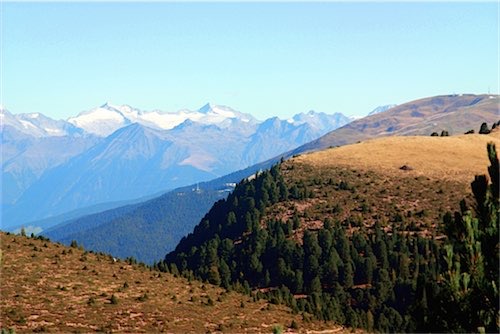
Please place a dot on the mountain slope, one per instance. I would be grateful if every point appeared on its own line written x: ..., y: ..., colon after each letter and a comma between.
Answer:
x: 129, y: 164
x: 138, y: 160
x: 33, y: 144
x: 100, y: 231
x: 37, y: 125
x: 454, y: 113
x: 146, y: 231
x: 49, y: 287
x: 383, y: 159
x: 355, y: 242
x: 380, y: 109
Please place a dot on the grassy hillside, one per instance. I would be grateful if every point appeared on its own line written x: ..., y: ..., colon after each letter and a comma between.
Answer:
x: 50, y: 287
x: 456, y: 114
x: 375, y: 188
x: 364, y: 246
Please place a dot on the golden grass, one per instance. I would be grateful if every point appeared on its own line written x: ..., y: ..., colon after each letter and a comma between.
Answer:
x: 456, y: 158
x: 456, y: 114
x: 413, y: 201
x: 50, y: 287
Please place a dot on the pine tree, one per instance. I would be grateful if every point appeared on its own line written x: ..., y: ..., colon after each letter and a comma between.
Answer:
x: 472, y: 257
x: 484, y: 130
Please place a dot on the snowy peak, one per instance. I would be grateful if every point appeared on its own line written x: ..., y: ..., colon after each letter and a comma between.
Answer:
x: 380, y: 109
x: 216, y: 114
x: 206, y: 108
x: 320, y: 121
x: 101, y: 121
x: 37, y: 125
x: 108, y: 118
x: 225, y: 111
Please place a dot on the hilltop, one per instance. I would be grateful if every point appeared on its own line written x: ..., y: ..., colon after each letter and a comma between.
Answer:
x: 434, y: 157
x: 456, y: 114
x: 361, y: 234
x: 50, y: 287
x: 410, y: 180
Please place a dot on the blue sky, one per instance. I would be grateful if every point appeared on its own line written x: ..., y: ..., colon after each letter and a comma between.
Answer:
x: 260, y: 58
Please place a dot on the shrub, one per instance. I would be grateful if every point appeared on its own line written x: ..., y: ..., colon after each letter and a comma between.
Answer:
x: 143, y: 298
x: 277, y: 329
x: 113, y: 300
x: 484, y: 130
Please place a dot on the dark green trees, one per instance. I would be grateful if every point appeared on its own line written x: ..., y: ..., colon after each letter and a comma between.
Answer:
x: 381, y: 279
x: 484, y: 129
x: 472, y: 272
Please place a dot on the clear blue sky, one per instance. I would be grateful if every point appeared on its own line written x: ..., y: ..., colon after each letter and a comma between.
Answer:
x: 261, y: 58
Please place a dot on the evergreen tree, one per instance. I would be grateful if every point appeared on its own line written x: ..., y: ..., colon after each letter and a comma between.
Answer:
x: 484, y: 130
x: 472, y: 273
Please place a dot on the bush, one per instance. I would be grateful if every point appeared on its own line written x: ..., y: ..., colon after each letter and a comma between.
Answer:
x: 484, y: 130
x: 143, y: 298
x: 113, y: 300
x: 277, y: 329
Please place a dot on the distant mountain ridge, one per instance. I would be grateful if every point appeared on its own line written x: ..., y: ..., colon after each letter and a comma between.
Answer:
x: 381, y: 109
x: 477, y: 117
x: 108, y: 118
x: 453, y: 113
x: 118, y: 153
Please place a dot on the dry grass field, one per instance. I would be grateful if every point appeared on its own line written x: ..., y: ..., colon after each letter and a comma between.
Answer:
x: 456, y: 158
x: 360, y: 184
x: 455, y: 113
x: 47, y: 287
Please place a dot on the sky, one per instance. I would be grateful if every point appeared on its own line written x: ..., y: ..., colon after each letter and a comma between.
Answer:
x: 266, y: 59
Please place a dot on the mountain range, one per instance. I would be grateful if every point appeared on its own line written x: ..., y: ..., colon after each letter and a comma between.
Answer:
x: 86, y: 231
x: 118, y: 153
x: 456, y: 114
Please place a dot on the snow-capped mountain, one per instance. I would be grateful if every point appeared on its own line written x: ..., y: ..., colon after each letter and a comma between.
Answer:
x: 116, y: 152
x: 380, y: 109
x: 37, y: 125
x: 106, y: 119
x: 32, y: 144
x: 320, y: 120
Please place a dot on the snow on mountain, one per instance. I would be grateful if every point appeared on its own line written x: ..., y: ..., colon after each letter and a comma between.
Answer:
x: 380, y: 109
x: 101, y: 121
x: 37, y: 125
x: 122, y: 153
x: 108, y: 118
x: 320, y: 121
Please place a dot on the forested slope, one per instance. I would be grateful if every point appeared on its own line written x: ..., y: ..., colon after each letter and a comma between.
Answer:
x: 366, y: 249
